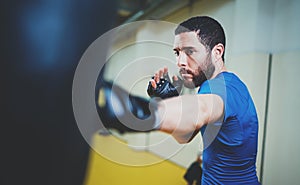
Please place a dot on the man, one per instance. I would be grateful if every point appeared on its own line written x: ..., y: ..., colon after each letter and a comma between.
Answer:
x: 222, y: 110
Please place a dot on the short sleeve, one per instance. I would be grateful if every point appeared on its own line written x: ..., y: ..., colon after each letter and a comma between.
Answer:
x: 221, y: 87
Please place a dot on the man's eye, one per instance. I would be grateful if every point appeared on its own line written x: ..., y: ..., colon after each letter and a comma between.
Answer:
x: 189, y: 52
x: 176, y: 53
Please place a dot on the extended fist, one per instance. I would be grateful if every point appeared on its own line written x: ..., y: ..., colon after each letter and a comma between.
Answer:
x: 160, y: 85
x: 125, y: 112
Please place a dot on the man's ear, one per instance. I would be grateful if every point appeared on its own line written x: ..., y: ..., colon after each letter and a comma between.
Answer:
x: 218, y: 51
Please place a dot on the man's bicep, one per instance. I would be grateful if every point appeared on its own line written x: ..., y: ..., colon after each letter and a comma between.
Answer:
x: 214, y: 106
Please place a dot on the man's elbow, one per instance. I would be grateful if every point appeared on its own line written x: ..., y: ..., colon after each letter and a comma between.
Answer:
x: 182, y: 140
x: 186, y: 138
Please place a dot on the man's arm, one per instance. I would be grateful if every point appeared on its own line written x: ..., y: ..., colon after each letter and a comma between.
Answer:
x: 180, y: 116
x: 183, y: 116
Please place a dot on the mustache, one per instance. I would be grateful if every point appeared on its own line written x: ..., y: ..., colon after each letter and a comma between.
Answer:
x: 185, y: 71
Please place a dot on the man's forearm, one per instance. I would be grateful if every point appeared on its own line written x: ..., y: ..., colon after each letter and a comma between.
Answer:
x: 183, y: 116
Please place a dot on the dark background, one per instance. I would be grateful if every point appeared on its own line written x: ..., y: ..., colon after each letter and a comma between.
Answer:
x: 42, y: 43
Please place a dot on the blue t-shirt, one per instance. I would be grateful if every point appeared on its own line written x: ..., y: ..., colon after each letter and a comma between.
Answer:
x: 230, y: 147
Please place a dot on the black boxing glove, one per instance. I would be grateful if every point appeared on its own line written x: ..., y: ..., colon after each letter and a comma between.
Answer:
x: 164, y: 88
x: 124, y: 112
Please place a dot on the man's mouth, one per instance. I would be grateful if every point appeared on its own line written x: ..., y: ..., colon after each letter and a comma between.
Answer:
x: 185, y: 74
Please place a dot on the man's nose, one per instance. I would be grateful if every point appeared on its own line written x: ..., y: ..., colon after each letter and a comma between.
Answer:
x: 182, y: 60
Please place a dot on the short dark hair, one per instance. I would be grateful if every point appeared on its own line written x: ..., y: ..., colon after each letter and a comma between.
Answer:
x: 210, y: 33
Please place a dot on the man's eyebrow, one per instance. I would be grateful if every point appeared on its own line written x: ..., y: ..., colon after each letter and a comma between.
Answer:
x: 184, y: 48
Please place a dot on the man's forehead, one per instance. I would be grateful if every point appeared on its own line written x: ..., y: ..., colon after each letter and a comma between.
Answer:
x: 186, y: 39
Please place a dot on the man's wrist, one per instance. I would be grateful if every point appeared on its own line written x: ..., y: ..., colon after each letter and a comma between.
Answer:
x: 157, y: 122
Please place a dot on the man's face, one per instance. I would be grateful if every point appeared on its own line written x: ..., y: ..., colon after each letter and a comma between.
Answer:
x: 193, y: 59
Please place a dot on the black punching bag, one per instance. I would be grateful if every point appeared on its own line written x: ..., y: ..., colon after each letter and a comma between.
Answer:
x: 42, y: 43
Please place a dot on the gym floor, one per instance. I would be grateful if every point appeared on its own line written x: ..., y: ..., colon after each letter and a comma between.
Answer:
x: 104, y: 170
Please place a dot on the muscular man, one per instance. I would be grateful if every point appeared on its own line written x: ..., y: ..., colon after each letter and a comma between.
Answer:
x: 222, y: 110
x: 223, y: 104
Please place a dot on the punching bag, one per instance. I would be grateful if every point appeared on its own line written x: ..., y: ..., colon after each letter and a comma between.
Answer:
x: 43, y: 43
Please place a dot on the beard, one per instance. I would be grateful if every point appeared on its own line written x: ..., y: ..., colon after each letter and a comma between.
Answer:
x: 200, y: 75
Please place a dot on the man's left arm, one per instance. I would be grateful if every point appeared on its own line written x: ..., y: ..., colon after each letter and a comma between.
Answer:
x: 183, y: 116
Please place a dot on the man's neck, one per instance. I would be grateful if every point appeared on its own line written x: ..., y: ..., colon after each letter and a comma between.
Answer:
x: 218, y: 71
